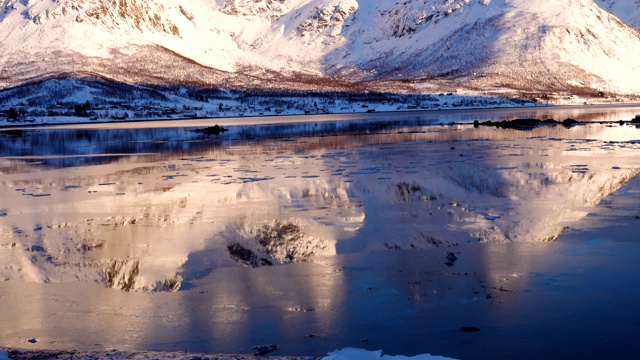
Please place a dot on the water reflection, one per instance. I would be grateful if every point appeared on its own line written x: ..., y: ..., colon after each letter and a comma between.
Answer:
x: 173, y: 209
x: 181, y: 204
x: 77, y: 147
x: 76, y: 142
x: 139, y: 225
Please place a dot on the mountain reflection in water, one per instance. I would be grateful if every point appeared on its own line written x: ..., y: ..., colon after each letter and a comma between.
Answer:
x: 156, y: 208
x: 296, y: 219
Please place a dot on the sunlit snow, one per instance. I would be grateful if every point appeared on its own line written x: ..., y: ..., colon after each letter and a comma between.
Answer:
x: 522, y: 45
x: 360, y: 354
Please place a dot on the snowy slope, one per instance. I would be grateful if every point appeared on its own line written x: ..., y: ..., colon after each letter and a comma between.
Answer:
x: 530, y: 45
x: 567, y: 44
x: 626, y: 10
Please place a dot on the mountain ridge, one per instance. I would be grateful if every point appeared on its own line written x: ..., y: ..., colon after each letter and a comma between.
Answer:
x: 533, y: 46
x: 626, y: 10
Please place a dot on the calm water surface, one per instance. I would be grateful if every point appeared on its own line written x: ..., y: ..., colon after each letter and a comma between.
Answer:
x: 326, y: 234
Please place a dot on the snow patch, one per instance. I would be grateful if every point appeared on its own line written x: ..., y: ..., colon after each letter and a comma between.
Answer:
x: 361, y: 354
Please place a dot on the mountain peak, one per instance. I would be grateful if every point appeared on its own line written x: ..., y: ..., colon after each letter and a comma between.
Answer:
x: 521, y: 45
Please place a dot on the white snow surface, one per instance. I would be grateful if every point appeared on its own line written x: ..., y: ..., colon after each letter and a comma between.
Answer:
x: 360, y: 354
x: 627, y: 10
x: 569, y: 45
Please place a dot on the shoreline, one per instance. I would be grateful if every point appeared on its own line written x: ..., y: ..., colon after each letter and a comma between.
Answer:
x: 303, y: 118
x: 24, y: 354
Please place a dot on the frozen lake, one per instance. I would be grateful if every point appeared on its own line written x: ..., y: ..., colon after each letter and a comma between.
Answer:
x: 319, y: 233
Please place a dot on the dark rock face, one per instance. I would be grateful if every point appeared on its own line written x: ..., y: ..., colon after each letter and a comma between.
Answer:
x: 469, y: 329
x: 276, y: 242
x: 121, y: 274
x: 37, y: 248
x: 172, y: 284
x: 12, y: 133
x: 526, y: 123
x: 242, y: 254
x: 264, y: 349
x: 215, y: 130
x: 283, y: 241
x: 568, y: 122
x: 451, y: 257
x: 406, y: 192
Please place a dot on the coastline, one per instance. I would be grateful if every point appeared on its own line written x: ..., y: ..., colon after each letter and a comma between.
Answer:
x: 24, y: 354
x: 300, y: 118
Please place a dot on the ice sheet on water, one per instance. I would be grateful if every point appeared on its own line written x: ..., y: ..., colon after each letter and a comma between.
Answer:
x: 361, y: 354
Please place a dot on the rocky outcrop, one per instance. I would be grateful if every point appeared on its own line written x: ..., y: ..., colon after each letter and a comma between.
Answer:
x: 327, y: 19
x: 121, y: 274
x: 141, y: 15
x: 275, y: 242
x: 254, y: 7
x: 246, y: 256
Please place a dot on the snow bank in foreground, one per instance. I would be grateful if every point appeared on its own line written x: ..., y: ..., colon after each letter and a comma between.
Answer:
x: 344, y: 354
x: 360, y: 354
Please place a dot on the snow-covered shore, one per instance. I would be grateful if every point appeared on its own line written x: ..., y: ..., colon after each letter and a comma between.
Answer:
x: 80, y: 106
x: 505, y: 110
x: 344, y: 354
x: 181, y: 108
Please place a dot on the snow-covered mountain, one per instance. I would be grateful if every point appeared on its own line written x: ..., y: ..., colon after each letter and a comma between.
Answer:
x: 524, y: 45
x: 626, y: 10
